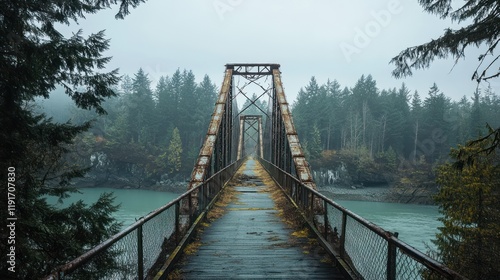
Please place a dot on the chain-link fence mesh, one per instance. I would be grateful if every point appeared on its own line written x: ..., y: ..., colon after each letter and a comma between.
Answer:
x: 119, y: 261
x: 335, y: 219
x: 154, y: 233
x: 408, y: 268
x: 366, y: 249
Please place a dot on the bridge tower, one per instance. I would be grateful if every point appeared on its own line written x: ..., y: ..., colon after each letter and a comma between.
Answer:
x: 253, y: 123
x: 278, y: 141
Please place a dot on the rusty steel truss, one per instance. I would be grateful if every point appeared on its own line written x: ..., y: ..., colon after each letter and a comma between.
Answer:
x: 278, y: 143
x: 248, y: 124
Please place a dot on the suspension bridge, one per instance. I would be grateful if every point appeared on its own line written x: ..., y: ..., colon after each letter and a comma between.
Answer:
x: 257, y: 161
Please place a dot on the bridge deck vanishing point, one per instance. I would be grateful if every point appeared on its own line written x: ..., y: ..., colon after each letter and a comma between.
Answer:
x: 251, y: 241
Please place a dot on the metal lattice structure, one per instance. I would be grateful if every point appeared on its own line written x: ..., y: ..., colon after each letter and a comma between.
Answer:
x: 280, y: 143
x: 248, y: 124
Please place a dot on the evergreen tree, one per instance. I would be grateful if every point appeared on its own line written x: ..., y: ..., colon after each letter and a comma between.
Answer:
x: 461, y: 116
x: 187, y: 117
x: 363, y: 101
x: 141, y: 106
x: 469, y: 199
x: 490, y: 102
x: 416, y: 117
x: 397, y: 113
x: 163, y: 113
x: 174, y: 152
x: 306, y: 108
x: 206, y: 95
x: 314, y: 147
x: 35, y: 59
x: 174, y: 98
x: 476, y: 120
x: 436, y: 127
x: 333, y: 113
x: 482, y: 22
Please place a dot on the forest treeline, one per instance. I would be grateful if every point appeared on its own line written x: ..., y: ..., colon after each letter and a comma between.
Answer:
x: 387, y: 131
x: 153, y: 132
x: 150, y: 132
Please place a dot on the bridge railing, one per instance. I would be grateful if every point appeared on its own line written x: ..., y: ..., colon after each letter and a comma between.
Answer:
x: 369, y: 251
x: 140, y: 250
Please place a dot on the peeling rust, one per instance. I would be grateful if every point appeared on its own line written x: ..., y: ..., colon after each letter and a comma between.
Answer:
x: 301, y: 165
x: 202, y: 166
x: 203, y: 160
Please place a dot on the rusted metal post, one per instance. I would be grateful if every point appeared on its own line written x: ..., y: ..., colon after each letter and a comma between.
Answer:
x: 201, y: 196
x: 261, y: 145
x: 177, y: 227
x: 240, y: 142
x: 205, y: 161
x: 190, y: 207
x: 312, y: 202
x: 284, y: 115
x: 342, y: 234
x: 391, y: 258
x: 325, y: 217
x: 140, y: 254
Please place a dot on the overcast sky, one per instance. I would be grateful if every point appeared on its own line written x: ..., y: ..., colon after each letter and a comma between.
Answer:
x: 328, y: 39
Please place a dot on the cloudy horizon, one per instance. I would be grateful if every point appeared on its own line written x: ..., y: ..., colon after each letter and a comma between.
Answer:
x: 325, y: 39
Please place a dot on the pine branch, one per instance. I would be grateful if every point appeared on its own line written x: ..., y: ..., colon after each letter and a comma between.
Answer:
x: 483, y: 30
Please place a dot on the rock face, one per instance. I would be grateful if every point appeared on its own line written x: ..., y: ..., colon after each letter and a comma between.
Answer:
x: 348, y: 177
x: 374, y: 184
x: 370, y: 178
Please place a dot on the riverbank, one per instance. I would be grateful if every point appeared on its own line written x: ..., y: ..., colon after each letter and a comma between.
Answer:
x: 382, y: 193
x: 125, y: 184
x: 359, y: 193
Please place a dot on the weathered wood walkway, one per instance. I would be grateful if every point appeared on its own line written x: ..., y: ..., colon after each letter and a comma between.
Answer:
x: 251, y: 242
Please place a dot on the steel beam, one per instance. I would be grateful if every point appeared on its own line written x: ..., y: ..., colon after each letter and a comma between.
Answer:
x: 285, y: 148
x: 252, y: 69
x: 301, y: 165
x: 251, y: 120
x: 203, y: 163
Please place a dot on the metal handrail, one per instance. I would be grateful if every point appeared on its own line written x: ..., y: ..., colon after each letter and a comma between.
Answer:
x: 203, y: 203
x: 307, y: 198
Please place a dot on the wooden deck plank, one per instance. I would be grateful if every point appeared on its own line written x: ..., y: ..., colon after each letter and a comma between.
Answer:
x: 251, y: 242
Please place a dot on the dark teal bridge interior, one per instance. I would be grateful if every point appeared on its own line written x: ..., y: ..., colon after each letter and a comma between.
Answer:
x: 249, y: 241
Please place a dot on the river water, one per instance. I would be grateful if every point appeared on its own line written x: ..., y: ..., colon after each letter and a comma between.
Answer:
x: 416, y: 224
x: 133, y: 203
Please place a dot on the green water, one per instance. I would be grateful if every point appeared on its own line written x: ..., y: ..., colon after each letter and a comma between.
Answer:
x: 416, y: 224
x: 134, y: 203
